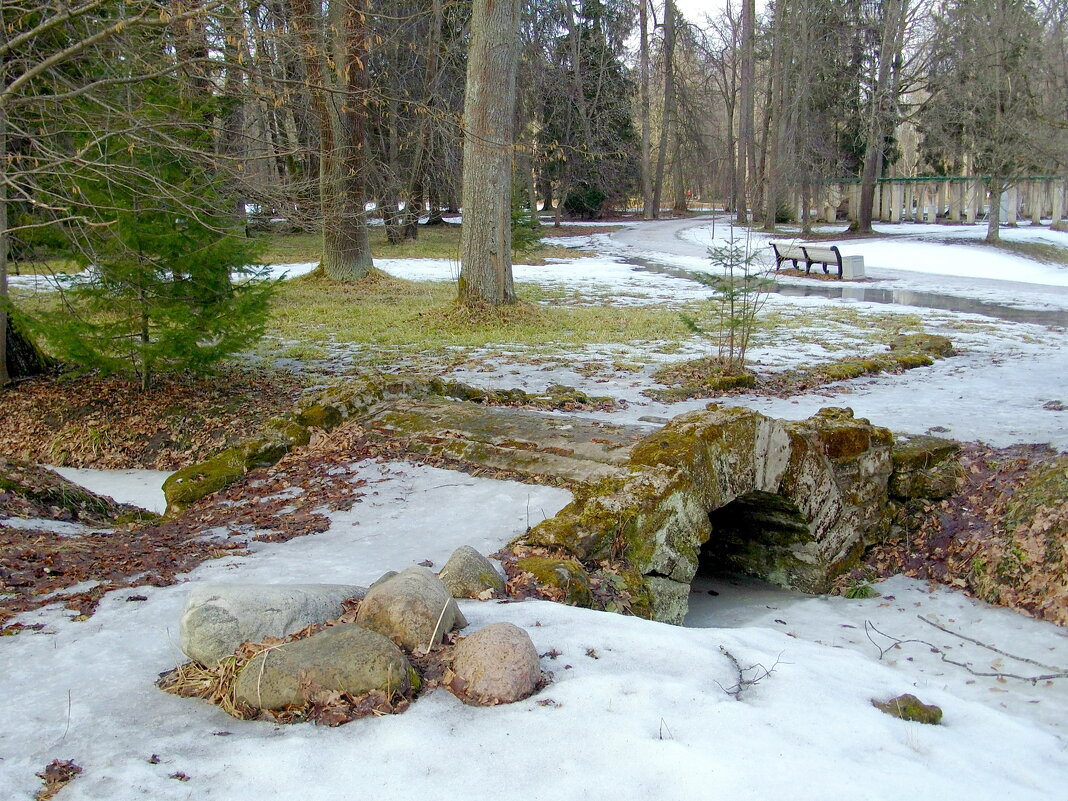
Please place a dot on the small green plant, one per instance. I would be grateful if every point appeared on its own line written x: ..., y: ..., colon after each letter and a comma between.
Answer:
x: 526, y: 235
x: 859, y: 589
x: 740, y: 291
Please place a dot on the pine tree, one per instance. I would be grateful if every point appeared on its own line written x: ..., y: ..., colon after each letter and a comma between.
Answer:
x: 159, y: 246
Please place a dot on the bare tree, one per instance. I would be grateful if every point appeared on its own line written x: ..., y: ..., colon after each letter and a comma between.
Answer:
x: 985, y: 100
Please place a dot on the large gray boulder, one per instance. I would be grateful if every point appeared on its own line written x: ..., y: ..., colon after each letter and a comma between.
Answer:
x: 219, y: 617
x: 343, y: 658
x: 468, y: 574
x: 412, y: 608
x: 496, y: 665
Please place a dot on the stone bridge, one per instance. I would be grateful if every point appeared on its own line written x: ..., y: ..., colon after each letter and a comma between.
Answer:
x: 724, y: 488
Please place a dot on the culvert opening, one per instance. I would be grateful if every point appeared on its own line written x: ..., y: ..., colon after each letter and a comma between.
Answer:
x: 754, y: 534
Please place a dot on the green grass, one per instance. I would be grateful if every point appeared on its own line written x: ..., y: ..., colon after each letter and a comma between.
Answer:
x: 406, y: 316
x: 434, y: 242
x: 1044, y: 252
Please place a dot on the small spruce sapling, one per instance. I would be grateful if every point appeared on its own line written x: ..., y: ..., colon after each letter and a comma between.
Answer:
x: 740, y: 291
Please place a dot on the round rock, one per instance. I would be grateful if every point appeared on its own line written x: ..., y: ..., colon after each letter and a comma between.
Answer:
x: 412, y: 608
x: 343, y: 658
x: 496, y: 665
x: 468, y: 574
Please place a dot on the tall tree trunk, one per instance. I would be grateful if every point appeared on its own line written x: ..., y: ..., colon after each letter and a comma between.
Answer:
x: 679, y: 206
x: 19, y: 356
x: 746, y: 170
x: 891, y: 41
x: 339, y: 110
x: 643, y: 69
x: 489, y: 120
x: 668, y: 127
x: 414, y: 195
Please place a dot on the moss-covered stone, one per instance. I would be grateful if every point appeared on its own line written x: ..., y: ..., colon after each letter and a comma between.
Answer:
x: 932, y: 344
x: 909, y: 707
x: 292, y: 432
x: 925, y: 467
x: 320, y: 415
x: 920, y: 452
x: 566, y: 575
x: 819, y: 483
x: 190, y: 484
x: 844, y: 370
x: 907, y: 360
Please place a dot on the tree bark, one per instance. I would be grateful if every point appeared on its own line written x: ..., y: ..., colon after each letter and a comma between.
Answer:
x: 489, y: 122
x: 993, y: 222
x: 668, y: 128
x: 891, y: 41
x: 746, y: 170
x: 643, y: 70
x: 340, y: 117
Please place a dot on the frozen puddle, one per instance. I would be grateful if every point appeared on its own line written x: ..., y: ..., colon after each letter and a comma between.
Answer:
x: 143, y: 488
x: 873, y: 624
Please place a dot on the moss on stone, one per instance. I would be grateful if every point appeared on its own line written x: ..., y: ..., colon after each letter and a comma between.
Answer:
x: 841, y: 371
x: 292, y: 432
x: 320, y: 415
x: 564, y: 574
x: 190, y: 484
x: 907, y: 360
x: 923, y: 451
x: 909, y: 707
x: 925, y: 467
x: 932, y: 344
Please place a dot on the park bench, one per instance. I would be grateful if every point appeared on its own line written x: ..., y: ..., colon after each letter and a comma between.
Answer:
x: 816, y: 254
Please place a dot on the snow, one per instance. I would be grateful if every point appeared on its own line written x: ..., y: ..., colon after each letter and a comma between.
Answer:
x: 636, y: 709
x: 143, y: 488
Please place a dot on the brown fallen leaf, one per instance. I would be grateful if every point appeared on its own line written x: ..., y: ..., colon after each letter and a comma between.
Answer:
x: 57, y: 775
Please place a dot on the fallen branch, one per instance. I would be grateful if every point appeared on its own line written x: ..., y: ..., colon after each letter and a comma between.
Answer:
x: 989, y: 647
x: 895, y: 642
x: 744, y: 683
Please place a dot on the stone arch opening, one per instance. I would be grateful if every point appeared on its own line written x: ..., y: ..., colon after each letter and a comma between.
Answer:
x: 759, y: 534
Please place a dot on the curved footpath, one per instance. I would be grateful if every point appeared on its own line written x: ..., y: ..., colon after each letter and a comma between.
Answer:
x: 920, y: 258
x: 1000, y: 392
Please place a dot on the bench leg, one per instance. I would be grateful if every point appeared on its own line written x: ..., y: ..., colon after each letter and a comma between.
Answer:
x: 808, y: 268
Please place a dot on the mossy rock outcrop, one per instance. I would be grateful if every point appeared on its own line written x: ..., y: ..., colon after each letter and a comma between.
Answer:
x: 909, y: 707
x: 925, y: 467
x: 828, y: 475
x: 327, y: 409
x: 934, y: 344
x: 566, y: 575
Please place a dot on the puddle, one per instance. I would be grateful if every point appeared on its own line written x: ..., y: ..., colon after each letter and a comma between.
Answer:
x: 899, y: 297
x: 929, y: 300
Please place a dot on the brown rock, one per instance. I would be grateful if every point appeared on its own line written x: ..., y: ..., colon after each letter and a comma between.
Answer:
x: 496, y: 665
